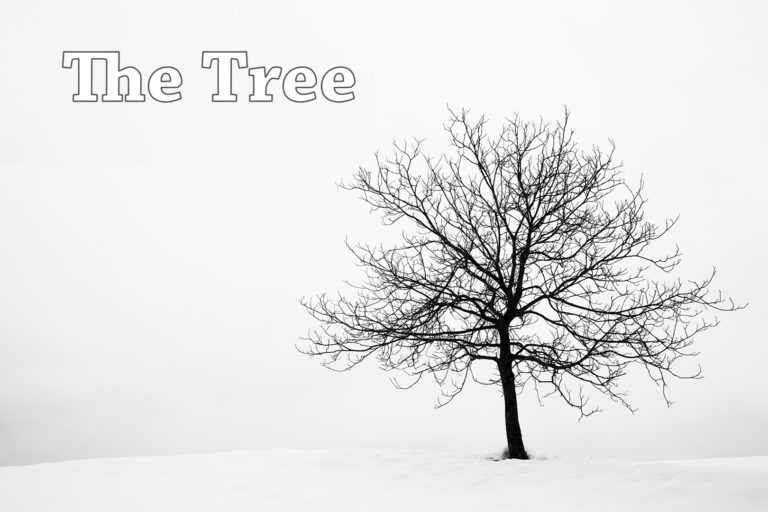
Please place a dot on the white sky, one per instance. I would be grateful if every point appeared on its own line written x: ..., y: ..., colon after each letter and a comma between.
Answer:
x: 152, y: 256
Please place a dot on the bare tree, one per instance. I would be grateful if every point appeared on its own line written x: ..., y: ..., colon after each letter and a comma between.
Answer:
x: 524, y: 252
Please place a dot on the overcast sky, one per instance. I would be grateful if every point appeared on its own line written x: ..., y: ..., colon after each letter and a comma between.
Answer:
x: 152, y: 256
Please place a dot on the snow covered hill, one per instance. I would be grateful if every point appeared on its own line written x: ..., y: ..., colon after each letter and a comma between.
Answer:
x: 360, y: 480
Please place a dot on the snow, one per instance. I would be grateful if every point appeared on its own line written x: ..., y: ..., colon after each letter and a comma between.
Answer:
x: 369, y: 480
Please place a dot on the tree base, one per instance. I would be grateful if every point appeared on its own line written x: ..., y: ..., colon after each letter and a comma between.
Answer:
x: 516, y: 454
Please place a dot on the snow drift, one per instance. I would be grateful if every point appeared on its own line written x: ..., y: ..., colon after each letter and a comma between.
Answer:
x: 362, y: 480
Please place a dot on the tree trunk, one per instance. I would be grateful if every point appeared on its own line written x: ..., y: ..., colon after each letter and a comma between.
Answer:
x: 515, y: 448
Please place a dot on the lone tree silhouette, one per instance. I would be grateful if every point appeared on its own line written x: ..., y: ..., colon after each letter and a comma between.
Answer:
x: 524, y: 252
